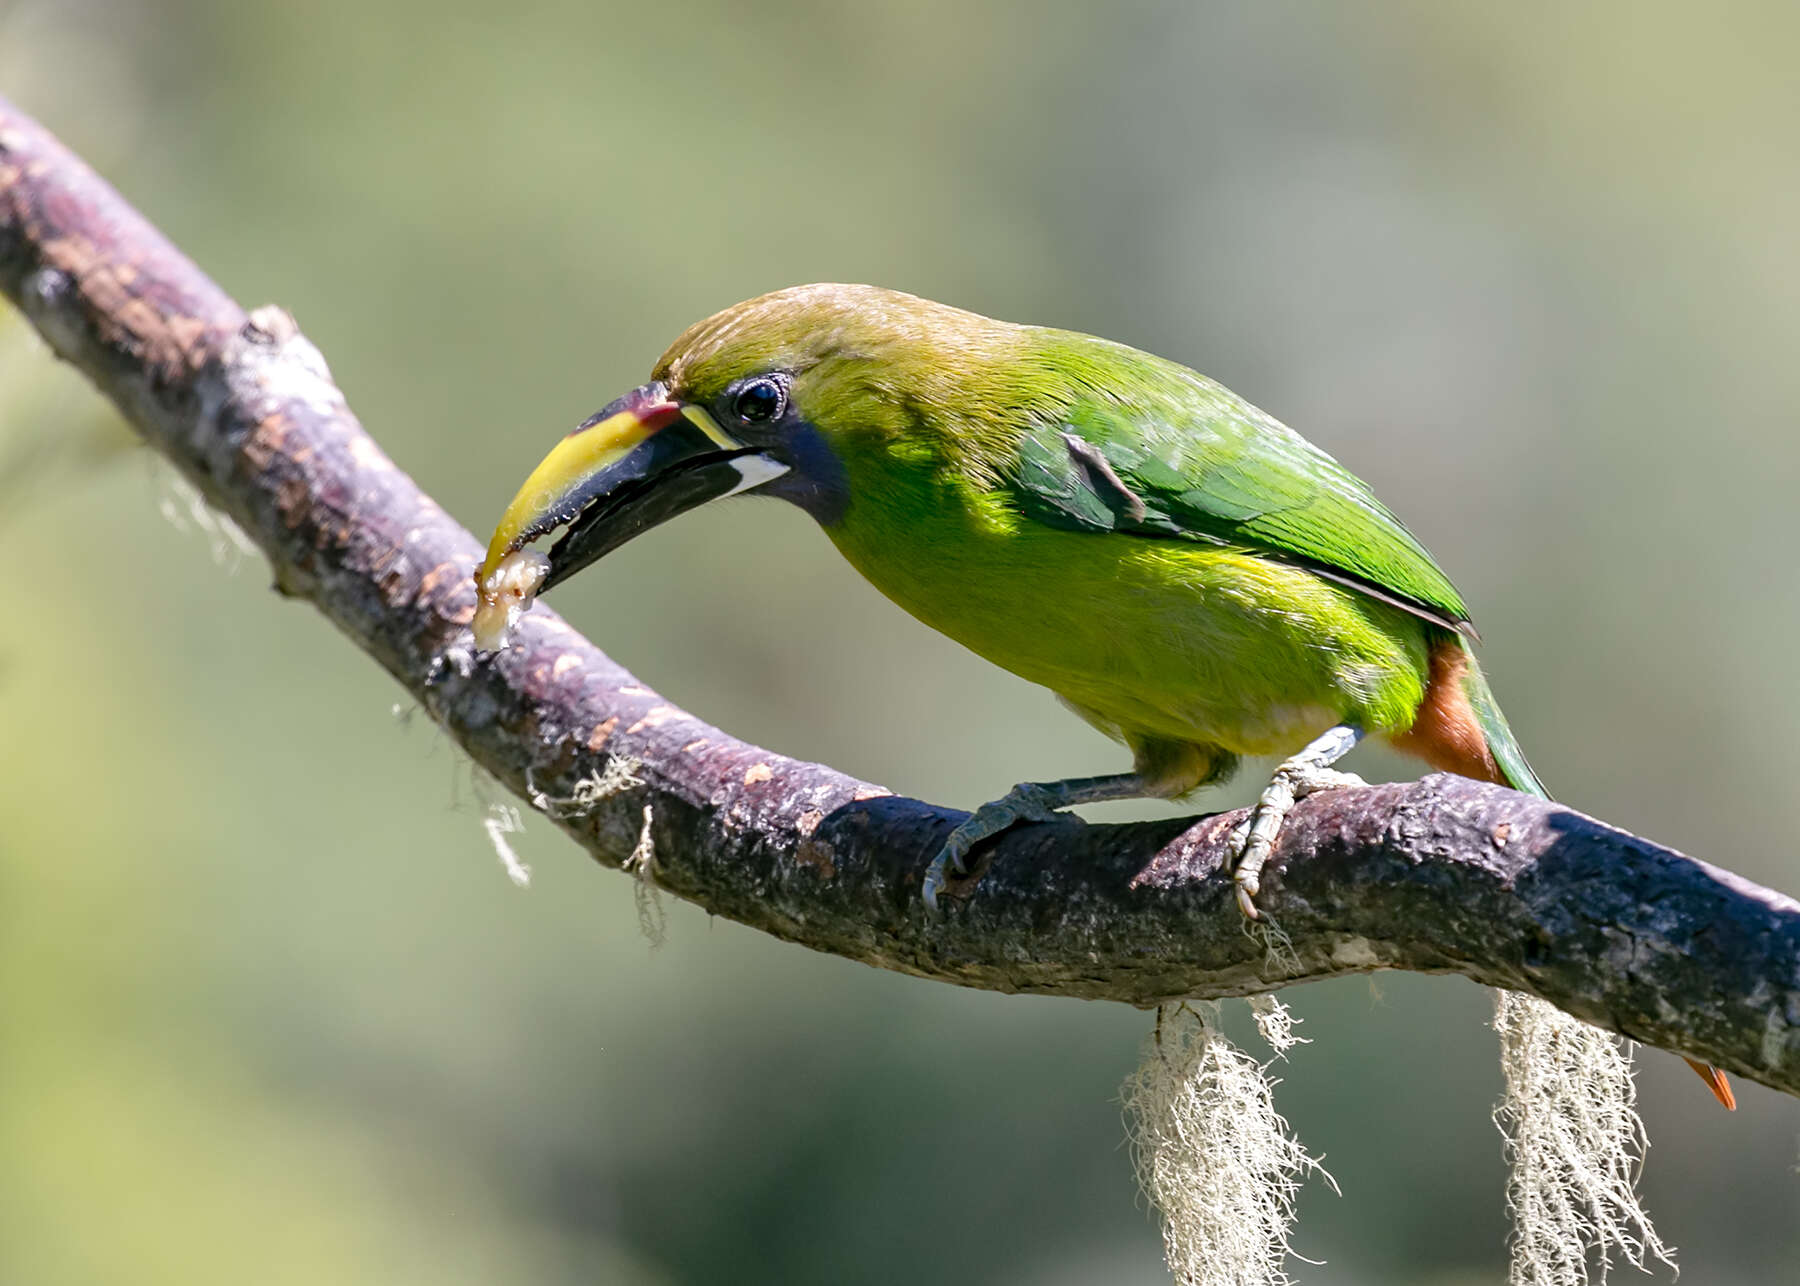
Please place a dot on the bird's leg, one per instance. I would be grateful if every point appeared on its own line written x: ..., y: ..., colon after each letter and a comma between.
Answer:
x: 1029, y: 801
x: 1296, y: 778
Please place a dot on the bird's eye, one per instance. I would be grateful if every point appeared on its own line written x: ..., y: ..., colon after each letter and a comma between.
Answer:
x: 759, y: 401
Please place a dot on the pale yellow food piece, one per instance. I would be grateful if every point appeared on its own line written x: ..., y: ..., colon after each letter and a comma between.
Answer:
x: 504, y: 594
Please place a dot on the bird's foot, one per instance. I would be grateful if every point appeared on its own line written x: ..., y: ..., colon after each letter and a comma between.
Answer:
x: 1026, y: 802
x: 1306, y: 773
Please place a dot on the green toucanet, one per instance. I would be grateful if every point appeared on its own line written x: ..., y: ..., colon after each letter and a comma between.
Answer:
x: 1186, y: 573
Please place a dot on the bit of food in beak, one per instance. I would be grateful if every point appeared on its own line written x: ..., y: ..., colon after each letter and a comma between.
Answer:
x: 504, y: 594
x: 631, y: 466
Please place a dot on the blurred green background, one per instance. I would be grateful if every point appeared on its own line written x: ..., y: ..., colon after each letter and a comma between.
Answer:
x: 269, y: 1009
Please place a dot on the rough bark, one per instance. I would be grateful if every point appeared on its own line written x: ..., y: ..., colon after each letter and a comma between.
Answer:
x: 1441, y: 875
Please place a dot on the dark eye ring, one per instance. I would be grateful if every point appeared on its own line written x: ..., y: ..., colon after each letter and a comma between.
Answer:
x: 759, y: 401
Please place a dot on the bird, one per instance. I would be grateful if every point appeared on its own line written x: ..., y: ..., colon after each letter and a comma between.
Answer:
x: 1183, y: 571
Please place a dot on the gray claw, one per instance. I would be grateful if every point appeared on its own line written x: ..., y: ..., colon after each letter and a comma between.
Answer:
x: 1026, y: 802
x: 934, y: 881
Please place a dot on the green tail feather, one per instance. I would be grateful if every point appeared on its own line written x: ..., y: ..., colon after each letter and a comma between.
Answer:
x: 1501, y: 742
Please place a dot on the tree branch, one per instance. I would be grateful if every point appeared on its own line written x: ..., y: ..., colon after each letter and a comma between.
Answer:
x: 1442, y: 875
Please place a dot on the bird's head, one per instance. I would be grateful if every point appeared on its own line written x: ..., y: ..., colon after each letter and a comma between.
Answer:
x: 769, y: 395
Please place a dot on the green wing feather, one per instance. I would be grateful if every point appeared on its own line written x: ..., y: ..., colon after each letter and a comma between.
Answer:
x: 1163, y: 452
x: 1507, y: 752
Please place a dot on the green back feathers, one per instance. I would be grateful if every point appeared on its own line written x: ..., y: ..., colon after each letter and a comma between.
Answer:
x: 1070, y: 430
x: 1161, y: 451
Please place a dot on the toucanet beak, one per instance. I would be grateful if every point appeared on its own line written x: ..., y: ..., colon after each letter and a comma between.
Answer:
x: 639, y: 462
